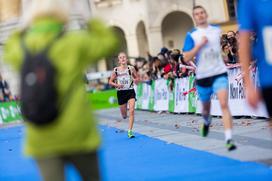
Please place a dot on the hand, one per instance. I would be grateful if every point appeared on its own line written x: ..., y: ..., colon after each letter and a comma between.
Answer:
x: 136, y: 81
x: 253, y: 96
x: 204, y: 41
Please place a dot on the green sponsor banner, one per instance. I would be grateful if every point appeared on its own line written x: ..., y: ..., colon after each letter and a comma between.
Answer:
x: 192, y: 95
x: 10, y: 112
x: 171, y: 103
x: 152, y: 97
x: 139, y: 94
x: 103, y: 99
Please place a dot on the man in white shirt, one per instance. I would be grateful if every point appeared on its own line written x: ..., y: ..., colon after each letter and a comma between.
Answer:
x: 203, y: 42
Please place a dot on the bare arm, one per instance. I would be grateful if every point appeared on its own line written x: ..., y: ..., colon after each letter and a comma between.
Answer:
x: 135, y: 76
x: 252, y: 94
x: 245, y: 56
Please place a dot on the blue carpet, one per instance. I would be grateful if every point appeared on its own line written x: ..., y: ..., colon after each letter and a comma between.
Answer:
x: 138, y: 159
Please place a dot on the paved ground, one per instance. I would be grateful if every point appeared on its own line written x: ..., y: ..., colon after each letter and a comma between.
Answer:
x: 252, y: 136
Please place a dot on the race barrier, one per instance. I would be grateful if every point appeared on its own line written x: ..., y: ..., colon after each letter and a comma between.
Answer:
x: 157, y: 96
x: 10, y: 112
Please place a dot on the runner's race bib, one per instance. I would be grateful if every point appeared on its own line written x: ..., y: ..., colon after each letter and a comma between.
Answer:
x: 125, y: 81
x: 209, y: 60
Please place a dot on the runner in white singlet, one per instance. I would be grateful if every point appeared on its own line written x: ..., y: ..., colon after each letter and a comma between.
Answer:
x: 123, y: 78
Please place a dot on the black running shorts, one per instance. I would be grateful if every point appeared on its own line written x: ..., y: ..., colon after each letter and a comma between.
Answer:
x: 267, y: 96
x: 124, y: 96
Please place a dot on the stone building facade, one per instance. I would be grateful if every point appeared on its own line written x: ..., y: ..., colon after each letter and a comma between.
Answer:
x: 141, y: 25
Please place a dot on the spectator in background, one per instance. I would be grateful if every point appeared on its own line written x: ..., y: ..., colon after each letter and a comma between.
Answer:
x: 233, y: 45
x: 169, y: 68
x: 143, y: 71
x: 5, y: 93
x: 228, y: 55
x: 163, y: 56
x: 186, y: 68
x: 155, y: 68
x: 224, y: 39
x: 230, y: 34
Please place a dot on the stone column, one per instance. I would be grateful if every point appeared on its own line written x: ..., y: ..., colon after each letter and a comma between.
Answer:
x: 9, y: 9
x: 132, y: 45
x: 155, y: 42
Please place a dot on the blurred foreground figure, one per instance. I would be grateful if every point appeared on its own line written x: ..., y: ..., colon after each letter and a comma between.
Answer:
x: 262, y: 26
x: 44, y: 52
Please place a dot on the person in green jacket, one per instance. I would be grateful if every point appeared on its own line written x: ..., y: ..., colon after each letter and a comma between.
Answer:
x: 73, y: 137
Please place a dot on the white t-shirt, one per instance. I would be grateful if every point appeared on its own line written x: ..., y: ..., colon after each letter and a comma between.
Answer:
x: 209, y: 59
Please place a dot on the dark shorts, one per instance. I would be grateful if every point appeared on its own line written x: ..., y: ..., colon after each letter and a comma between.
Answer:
x: 267, y: 96
x: 124, y: 96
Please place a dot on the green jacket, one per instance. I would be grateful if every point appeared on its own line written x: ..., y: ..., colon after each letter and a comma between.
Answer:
x: 76, y: 129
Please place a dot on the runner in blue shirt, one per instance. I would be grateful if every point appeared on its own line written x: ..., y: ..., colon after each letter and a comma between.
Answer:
x: 203, y: 42
x: 256, y: 16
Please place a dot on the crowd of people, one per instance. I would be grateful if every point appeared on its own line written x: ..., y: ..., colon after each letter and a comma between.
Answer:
x: 170, y: 64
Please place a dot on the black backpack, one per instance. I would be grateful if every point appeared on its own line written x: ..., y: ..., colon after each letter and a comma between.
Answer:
x: 39, y: 103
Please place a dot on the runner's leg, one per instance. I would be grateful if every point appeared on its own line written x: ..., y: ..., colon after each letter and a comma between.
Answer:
x: 123, y: 110
x: 226, y: 115
x: 205, y: 97
x: 131, y: 103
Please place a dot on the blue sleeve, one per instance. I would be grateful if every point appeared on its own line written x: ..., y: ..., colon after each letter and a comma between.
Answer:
x: 189, y: 43
x: 246, y: 15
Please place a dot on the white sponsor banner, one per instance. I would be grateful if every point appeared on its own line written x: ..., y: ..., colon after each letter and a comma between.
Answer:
x: 237, y: 100
x: 98, y: 75
x: 181, y: 99
x: 146, y: 96
x: 161, y: 95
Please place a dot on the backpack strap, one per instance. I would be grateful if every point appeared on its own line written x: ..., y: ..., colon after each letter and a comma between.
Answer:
x: 129, y: 71
x: 130, y: 74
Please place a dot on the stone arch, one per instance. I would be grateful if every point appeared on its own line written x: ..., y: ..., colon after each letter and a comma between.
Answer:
x: 174, y: 27
x: 164, y: 12
x: 120, y: 33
